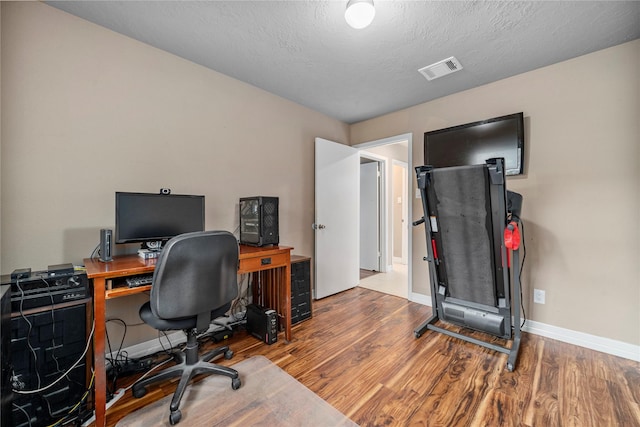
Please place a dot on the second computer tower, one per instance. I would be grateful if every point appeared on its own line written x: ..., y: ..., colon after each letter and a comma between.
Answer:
x: 262, y: 323
x: 259, y: 221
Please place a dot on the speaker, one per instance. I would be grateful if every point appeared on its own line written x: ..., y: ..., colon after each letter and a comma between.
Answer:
x: 6, y: 394
x: 259, y: 224
x: 106, y: 245
x: 45, y: 344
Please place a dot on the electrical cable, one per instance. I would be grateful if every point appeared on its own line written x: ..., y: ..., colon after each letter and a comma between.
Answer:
x: 121, y: 358
x: 26, y: 414
x: 76, y: 363
x: 77, y: 405
x: 95, y: 252
x: 168, y: 340
x: 146, y: 374
x: 524, y: 256
x: 24, y: 317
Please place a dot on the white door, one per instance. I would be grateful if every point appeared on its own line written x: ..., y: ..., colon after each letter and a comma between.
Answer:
x: 369, y: 218
x: 337, y: 184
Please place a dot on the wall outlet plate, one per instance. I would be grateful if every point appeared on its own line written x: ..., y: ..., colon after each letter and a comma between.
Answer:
x: 538, y: 296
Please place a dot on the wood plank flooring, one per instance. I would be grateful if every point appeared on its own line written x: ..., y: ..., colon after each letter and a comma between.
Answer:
x: 359, y: 353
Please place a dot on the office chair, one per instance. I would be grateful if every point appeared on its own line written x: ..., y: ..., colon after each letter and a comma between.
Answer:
x: 194, y: 282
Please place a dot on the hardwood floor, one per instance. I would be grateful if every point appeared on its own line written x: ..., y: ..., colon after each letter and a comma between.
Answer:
x: 358, y: 352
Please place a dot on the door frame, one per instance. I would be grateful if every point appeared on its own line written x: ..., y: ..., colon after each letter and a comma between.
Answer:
x: 408, y: 137
x: 405, y: 209
x: 382, y: 207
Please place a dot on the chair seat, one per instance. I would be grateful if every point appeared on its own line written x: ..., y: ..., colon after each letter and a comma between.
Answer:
x: 149, y: 318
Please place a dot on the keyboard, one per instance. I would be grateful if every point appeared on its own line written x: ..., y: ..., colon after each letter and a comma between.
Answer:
x: 135, y: 281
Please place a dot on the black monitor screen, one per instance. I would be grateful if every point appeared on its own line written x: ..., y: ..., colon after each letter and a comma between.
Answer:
x: 144, y: 217
x: 474, y: 143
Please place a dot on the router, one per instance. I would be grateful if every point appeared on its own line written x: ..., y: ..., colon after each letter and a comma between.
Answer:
x: 60, y: 269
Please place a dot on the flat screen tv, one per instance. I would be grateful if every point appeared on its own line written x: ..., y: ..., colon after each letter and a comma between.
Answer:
x: 147, y: 217
x: 474, y: 143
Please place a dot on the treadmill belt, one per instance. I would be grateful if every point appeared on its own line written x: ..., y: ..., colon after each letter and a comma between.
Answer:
x: 464, y: 216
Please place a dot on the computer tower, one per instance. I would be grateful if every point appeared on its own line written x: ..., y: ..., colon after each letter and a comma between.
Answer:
x: 259, y: 221
x: 300, y: 288
x: 262, y: 323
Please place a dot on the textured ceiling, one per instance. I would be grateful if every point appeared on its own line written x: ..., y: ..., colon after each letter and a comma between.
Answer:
x: 305, y: 51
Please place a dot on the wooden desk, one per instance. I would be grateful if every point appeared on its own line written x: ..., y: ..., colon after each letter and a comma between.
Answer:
x: 252, y: 259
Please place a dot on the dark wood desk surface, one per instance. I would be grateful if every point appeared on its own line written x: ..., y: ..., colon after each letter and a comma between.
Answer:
x: 252, y: 259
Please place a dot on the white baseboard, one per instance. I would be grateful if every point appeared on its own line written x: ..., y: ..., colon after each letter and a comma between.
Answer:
x: 173, y: 339
x: 593, y: 342
x: 420, y: 299
x: 152, y: 346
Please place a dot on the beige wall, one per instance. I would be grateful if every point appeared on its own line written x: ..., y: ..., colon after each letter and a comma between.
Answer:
x: 87, y: 112
x: 581, y: 188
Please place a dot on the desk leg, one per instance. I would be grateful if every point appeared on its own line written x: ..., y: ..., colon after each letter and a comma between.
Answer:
x: 100, y: 393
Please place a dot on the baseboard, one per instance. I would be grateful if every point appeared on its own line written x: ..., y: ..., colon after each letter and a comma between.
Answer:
x: 173, y: 339
x: 593, y: 342
x: 152, y: 346
x: 420, y: 299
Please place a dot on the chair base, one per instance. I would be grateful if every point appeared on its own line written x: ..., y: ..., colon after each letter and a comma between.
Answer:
x: 188, y: 366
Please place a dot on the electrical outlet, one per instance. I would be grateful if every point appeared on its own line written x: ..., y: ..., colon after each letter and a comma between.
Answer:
x: 538, y: 296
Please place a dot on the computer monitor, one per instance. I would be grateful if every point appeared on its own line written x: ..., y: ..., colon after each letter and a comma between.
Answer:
x: 151, y: 219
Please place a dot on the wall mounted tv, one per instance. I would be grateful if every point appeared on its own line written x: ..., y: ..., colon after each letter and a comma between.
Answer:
x: 474, y: 143
x: 148, y: 217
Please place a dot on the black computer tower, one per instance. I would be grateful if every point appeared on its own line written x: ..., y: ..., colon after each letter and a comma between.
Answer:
x: 259, y: 221
x: 262, y: 323
x: 300, y: 288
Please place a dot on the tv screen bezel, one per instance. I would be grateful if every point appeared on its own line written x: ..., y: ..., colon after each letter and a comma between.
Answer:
x: 139, y: 239
x: 519, y: 137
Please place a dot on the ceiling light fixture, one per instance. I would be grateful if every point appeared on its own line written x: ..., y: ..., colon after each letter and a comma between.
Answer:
x: 359, y: 13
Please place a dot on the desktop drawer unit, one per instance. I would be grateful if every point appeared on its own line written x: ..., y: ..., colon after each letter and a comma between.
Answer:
x: 300, y: 288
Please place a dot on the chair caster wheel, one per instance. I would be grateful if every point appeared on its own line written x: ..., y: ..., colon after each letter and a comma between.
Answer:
x: 236, y: 383
x: 175, y: 417
x: 509, y: 367
x: 228, y: 354
x: 138, y: 392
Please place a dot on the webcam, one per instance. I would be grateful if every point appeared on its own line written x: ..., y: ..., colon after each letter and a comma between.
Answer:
x: 165, y: 191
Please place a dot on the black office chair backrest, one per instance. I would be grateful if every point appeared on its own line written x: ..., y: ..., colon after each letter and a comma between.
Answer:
x: 195, y: 273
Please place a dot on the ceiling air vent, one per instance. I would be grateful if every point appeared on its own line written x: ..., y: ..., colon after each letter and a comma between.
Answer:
x: 441, y: 68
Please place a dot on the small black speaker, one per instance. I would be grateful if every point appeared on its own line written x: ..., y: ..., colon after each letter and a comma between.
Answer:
x: 259, y: 224
x: 106, y: 245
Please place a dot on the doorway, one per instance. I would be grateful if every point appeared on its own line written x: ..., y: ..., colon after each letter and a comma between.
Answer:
x: 392, y: 157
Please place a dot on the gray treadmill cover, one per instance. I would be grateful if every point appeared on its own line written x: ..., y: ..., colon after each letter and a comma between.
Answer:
x: 464, y: 221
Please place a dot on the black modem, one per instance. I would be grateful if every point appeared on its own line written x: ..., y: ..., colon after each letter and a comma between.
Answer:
x: 21, y: 273
x: 60, y: 269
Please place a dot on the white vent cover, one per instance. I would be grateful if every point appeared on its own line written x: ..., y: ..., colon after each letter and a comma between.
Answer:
x: 441, y: 68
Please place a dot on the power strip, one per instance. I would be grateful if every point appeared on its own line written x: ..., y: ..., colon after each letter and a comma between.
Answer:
x: 118, y: 394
